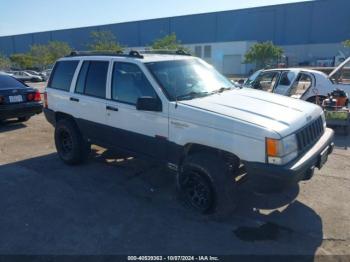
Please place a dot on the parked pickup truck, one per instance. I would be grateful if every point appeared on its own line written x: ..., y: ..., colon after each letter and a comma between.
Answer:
x: 179, y: 110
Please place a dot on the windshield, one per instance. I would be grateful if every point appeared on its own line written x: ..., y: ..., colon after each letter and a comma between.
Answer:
x: 187, y: 79
x: 251, y: 79
x: 7, y: 82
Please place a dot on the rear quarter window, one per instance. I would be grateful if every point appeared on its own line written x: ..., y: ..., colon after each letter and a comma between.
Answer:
x: 62, y: 75
x: 7, y: 82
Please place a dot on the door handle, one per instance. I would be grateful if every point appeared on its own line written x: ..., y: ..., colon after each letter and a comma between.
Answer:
x: 74, y: 99
x: 112, y: 108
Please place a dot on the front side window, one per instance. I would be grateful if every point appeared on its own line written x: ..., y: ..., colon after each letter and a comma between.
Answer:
x: 63, y: 74
x: 266, y: 81
x: 129, y: 83
x: 187, y: 79
x: 92, y: 79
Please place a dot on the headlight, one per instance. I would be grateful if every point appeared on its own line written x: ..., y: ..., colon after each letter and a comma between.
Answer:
x: 280, y: 152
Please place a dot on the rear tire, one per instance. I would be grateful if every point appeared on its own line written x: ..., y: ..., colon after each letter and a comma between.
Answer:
x: 206, y: 184
x: 70, y: 144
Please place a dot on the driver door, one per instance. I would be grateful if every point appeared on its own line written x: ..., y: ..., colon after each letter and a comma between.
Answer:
x: 131, y: 129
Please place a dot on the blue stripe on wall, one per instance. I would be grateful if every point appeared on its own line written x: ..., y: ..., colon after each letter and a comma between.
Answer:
x: 320, y: 21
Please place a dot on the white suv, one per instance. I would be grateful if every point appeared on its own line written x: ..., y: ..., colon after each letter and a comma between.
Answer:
x: 179, y: 110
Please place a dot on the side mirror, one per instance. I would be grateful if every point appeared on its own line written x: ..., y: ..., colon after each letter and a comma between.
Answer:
x: 241, y: 81
x: 147, y: 103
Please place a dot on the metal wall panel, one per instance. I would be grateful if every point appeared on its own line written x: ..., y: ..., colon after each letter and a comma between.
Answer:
x: 330, y: 21
x: 127, y: 33
x: 6, y: 45
x: 22, y: 43
x: 297, y: 21
x: 153, y: 29
x: 41, y: 38
x: 246, y: 25
x: 195, y: 29
x: 320, y: 21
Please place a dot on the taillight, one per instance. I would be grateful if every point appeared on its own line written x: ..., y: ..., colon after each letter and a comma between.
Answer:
x: 46, y: 102
x: 37, y: 96
x: 1, y: 99
x: 30, y: 96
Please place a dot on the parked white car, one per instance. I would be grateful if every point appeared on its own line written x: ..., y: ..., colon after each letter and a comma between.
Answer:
x: 180, y: 111
x: 26, y: 76
x: 301, y: 83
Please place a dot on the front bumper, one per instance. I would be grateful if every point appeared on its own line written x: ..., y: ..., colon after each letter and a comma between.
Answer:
x: 270, y: 178
x: 20, y: 110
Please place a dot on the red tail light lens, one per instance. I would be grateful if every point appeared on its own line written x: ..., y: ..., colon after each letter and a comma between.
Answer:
x: 37, y: 96
x: 1, y: 100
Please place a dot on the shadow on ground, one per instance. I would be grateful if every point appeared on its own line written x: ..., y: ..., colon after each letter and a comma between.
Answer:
x: 119, y: 205
x: 10, y: 125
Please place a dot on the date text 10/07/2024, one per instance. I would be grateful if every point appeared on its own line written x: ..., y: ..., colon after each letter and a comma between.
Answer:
x: 173, y: 258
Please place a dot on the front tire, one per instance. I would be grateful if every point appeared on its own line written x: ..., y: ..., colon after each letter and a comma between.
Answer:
x: 206, y: 184
x: 70, y: 144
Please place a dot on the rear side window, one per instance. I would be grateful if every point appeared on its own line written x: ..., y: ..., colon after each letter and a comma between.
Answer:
x: 63, y: 74
x: 92, y: 79
x: 7, y: 82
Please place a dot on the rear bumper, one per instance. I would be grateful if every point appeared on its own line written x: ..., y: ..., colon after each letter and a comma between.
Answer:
x: 20, y: 110
x: 50, y: 116
x: 267, y: 177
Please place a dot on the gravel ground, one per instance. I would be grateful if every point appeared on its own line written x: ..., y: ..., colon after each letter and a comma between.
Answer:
x: 117, y: 205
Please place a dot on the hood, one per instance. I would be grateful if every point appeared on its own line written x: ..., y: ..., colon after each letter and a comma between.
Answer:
x: 281, y: 114
x: 340, y: 67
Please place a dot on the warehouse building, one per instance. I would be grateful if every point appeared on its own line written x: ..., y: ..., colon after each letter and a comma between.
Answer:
x: 310, y: 33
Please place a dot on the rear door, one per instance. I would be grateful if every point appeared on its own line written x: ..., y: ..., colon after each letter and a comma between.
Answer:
x: 88, y: 99
x: 284, y: 83
x: 59, y: 85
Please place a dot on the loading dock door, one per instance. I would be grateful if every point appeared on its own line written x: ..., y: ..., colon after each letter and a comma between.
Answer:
x: 232, y: 65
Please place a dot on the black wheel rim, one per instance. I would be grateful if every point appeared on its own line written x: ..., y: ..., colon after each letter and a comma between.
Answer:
x: 66, y: 142
x: 198, y: 191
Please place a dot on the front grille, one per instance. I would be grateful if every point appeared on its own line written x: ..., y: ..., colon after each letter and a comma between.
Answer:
x: 310, y: 134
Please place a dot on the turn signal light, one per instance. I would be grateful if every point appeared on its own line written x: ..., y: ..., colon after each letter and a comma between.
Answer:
x: 272, y: 147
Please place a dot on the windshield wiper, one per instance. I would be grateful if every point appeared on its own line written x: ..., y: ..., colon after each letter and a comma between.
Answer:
x: 221, y: 90
x: 191, y: 95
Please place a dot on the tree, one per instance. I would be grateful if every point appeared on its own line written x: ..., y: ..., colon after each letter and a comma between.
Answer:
x: 346, y: 43
x: 104, y: 41
x: 40, y: 56
x: 168, y: 42
x: 263, y: 54
x: 22, y: 61
x: 5, y: 62
x: 45, y: 55
x: 57, y: 50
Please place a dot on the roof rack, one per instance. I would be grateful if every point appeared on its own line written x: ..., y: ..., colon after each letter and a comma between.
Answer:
x: 166, y: 52
x: 132, y: 53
